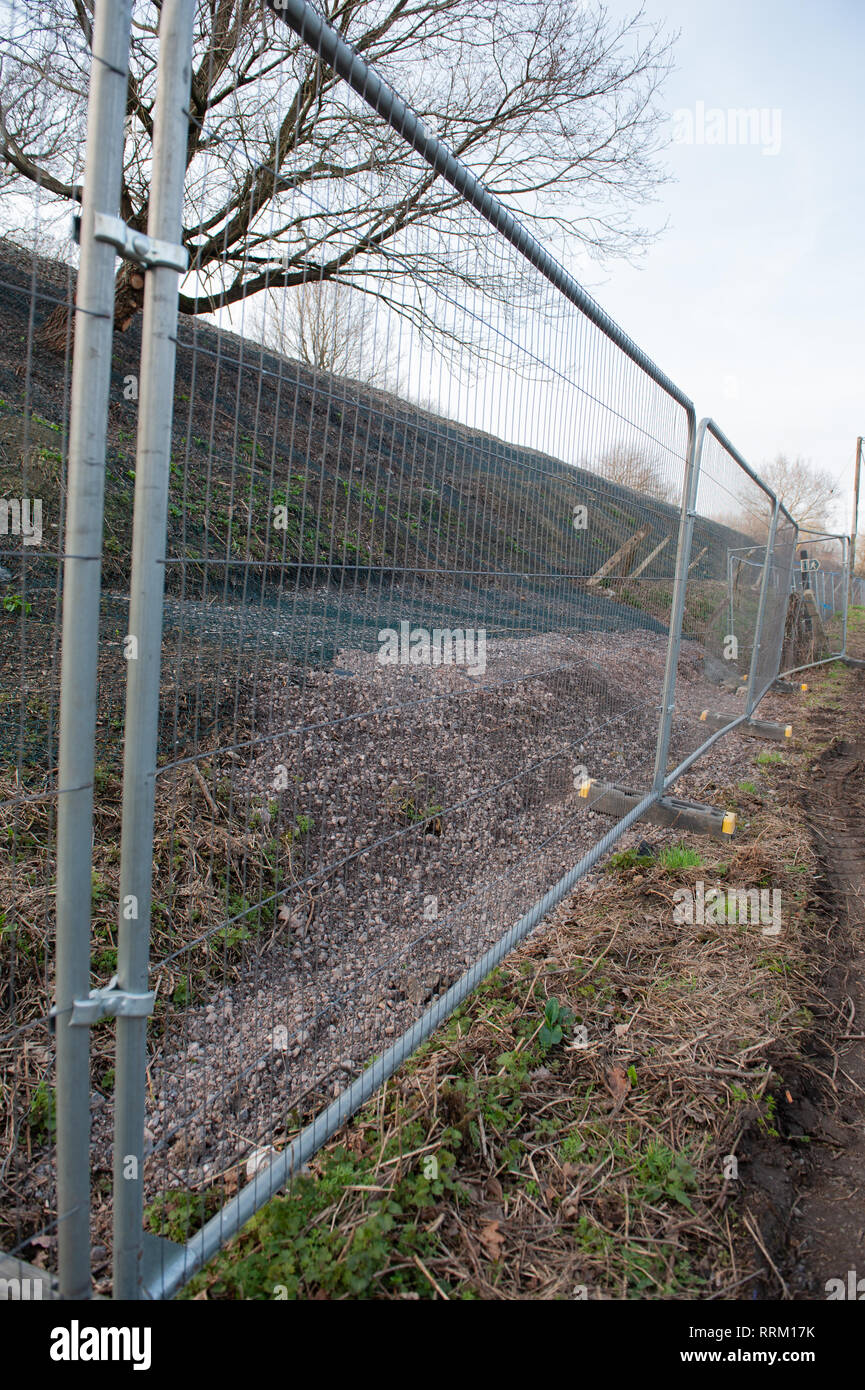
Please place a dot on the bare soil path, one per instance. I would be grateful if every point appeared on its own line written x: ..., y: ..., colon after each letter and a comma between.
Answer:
x: 827, y: 1236
x: 805, y: 1181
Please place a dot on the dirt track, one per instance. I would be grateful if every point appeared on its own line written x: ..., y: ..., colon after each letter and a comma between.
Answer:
x: 827, y: 1237
x: 804, y: 1193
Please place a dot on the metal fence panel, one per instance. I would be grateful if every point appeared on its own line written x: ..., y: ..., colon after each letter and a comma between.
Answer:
x: 34, y: 429
x: 733, y: 515
x: 152, y: 471
x: 780, y: 571
x: 821, y: 591
x: 386, y: 617
x: 402, y: 626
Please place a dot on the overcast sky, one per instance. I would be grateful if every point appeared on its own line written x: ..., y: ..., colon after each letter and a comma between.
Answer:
x: 752, y: 299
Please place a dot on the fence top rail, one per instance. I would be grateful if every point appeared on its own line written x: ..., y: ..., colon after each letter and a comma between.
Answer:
x: 817, y: 536
x: 377, y: 93
x: 708, y: 426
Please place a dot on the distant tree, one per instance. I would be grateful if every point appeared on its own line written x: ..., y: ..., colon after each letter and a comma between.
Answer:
x: 330, y: 327
x: 290, y: 176
x: 632, y: 467
x: 808, y: 493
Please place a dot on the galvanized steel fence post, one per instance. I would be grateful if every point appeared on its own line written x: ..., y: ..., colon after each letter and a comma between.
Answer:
x: 677, y: 609
x: 91, y: 372
x: 153, y: 459
x: 855, y: 527
x: 750, y: 698
x: 786, y: 585
x: 845, y: 598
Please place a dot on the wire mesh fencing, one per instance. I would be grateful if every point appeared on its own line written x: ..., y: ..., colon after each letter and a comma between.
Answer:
x: 386, y: 617
x: 399, y: 633
x: 776, y: 591
x: 49, y: 580
x: 34, y: 424
x: 724, y: 596
x: 817, y: 617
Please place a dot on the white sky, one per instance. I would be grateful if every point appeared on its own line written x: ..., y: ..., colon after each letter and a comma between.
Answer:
x: 752, y: 299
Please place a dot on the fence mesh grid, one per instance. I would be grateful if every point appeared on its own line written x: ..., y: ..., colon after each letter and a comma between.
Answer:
x: 818, y: 614
x: 777, y: 593
x: 398, y: 635
x: 34, y: 422
x: 722, y: 595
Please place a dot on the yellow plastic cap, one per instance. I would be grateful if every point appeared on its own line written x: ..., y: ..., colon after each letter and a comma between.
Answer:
x: 586, y: 787
x: 788, y: 732
x: 728, y: 824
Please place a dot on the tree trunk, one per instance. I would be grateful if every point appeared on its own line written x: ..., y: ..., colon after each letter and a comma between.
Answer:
x: 128, y: 295
x: 54, y: 332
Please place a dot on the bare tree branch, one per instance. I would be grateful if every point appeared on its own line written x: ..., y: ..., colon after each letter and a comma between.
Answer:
x: 553, y: 105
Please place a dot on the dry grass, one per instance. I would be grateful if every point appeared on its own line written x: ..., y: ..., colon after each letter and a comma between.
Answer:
x: 568, y: 1171
x: 211, y: 861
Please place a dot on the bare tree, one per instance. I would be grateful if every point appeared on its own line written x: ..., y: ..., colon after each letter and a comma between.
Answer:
x: 632, y: 467
x: 808, y: 493
x: 291, y: 177
x: 330, y: 327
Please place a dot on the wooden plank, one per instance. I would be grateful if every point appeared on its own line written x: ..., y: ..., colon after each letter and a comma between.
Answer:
x: 698, y: 559
x: 649, y: 558
x: 623, y: 557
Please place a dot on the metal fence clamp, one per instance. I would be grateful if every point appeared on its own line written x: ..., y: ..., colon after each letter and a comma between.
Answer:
x: 109, y: 1001
x: 146, y: 251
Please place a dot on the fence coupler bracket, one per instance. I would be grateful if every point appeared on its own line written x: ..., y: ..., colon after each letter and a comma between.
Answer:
x: 751, y: 728
x: 672, y: 811
x: 110, y: 1002
x: 138, y: 246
